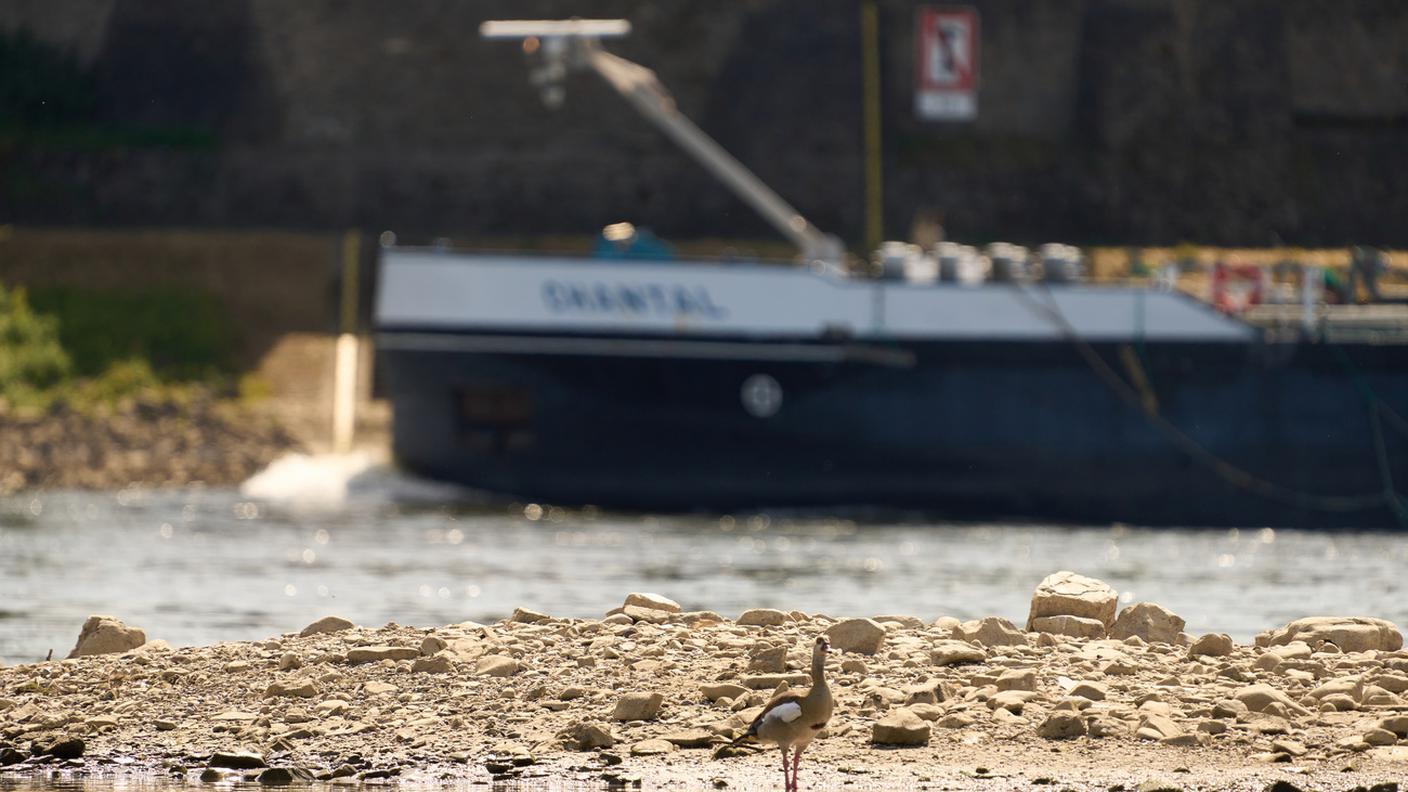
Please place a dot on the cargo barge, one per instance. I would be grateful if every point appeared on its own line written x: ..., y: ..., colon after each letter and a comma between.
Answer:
x: 942, y: 381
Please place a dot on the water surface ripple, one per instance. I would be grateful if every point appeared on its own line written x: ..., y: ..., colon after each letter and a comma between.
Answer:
x: 205, y: 565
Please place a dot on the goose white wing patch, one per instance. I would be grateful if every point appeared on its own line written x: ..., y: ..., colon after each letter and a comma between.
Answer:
x: 784, y: 713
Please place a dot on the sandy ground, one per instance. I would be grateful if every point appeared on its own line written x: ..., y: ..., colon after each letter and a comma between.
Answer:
x: 547, y: 703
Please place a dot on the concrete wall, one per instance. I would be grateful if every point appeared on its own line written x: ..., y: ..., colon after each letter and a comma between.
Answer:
x: 1114, y: 121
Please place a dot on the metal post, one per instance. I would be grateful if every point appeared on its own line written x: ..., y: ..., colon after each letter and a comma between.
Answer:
x: 870, y: 81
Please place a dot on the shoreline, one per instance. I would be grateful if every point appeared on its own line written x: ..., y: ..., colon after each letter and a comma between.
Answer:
x: 647, y: 694
x: 147, y: 442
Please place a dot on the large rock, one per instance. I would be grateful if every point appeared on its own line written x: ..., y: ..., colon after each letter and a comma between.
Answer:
x: 1065, y: 593
x: 856, y: 635
x: 327, y: 624
x: 497, y: 666
x: 992, y: 631
x: 1349, y: 633
x: 637, y: 706
x: 1073, y: 626
x: 1258, y: 698
x: 375, y: 654
x: 106, y: 635
x: 762, y: 617
x: 1062, y: 726
x: 1149, y: 621
x: 1212, y: 645
x: 950, y: 652
x: 586, y: 736
x: 292, y: 688
x: 652, y: 602
x: 900, y: 727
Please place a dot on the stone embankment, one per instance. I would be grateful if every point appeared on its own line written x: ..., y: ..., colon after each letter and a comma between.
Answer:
x: 1090, y: 697
x: 147, y: 442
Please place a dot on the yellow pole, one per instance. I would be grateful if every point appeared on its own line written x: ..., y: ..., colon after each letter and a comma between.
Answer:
x: 870, y: 99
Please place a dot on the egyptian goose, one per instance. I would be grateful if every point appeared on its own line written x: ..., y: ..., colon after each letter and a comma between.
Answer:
x: 793, y: 719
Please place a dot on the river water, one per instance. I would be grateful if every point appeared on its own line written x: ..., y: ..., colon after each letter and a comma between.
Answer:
x: 197, y: 566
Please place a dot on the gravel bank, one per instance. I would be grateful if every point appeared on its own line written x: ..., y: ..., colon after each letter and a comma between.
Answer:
x: 648, y: 695
x: 149, y: 442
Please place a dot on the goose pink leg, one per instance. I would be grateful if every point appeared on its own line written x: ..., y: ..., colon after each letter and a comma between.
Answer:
x: 796, y: 761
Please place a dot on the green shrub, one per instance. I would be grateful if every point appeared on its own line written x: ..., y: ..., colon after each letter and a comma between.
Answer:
x: 183, y: 335
x: 32, y: 359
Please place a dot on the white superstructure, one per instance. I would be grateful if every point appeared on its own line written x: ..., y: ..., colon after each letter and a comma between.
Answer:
x: 431, y: 290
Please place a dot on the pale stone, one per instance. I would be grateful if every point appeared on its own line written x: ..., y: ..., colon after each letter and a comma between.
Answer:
x: 1211, y: 726
x: 1294, y: 650
x: 106, y: 635
x: 924, y: 693
x: 586, y: 736
x: 1147, y: 621
x: 1258, y: 697
x: 648, y: 615
x: 1353, y: 687
x: 856, y: 635
x: 1066, y: 593
x: 1073, y: 626
x: 327, y: 624
x: 768, y: 659
x: 292, y: 688
x: 1017, y: 680
x: 1398, y: 724
x: 900, y: 726
x: 762, y: 617
x: 652, y: 601
x: 1380, y: 737
x: 909, y: 622
x: 1011, y: 700
x: 1094, y: 691
x: 375, y: 654
x: 1212, y: 645
x: 950, y: 652
x: 1062, y: 726
x: 1162, y: 724
x: 496, y: 666
x: 438, y: 664
x: 1229, y: 708
x: 947, y: 623
x: 992, y: 631
x: 653, y: 747
x: 724, y: 690
x: 637, y: 706
x: 526, y: 616
x: 955, y: 720
x: 1347, y: 633
x: 1393, y: 683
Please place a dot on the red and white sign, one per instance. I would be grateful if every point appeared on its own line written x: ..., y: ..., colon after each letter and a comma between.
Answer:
x: 946, y: 60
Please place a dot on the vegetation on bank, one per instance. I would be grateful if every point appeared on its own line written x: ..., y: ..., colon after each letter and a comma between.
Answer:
x: 91, y: 349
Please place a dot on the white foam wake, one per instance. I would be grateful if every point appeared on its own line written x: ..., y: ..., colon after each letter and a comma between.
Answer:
x: 309, y: 480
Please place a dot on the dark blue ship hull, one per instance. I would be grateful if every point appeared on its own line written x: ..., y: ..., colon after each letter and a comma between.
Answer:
x: 1196, y: 434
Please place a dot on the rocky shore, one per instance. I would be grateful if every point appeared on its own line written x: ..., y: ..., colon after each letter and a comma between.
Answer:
x: 155, y: 442
x: 1086, y: 697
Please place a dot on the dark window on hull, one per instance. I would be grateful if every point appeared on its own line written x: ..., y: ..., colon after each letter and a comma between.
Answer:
x: 495, y: 420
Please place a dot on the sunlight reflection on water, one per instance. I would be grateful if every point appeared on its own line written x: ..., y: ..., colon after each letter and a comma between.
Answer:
x: 198, y: 566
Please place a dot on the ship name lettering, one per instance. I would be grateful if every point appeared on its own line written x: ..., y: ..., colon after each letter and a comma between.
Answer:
x: 631, y: 299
